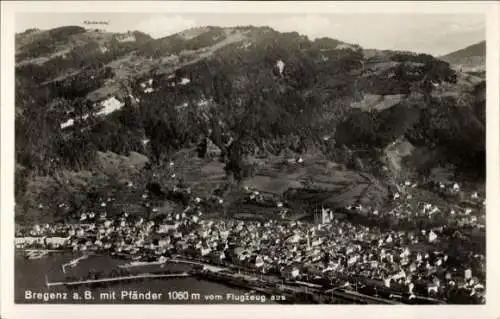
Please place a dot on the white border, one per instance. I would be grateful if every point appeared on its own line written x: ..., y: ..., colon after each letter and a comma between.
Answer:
x: 9, y: 310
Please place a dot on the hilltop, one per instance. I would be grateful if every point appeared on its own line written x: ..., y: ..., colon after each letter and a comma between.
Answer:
x: 471, y: 57
x: 263, y: 99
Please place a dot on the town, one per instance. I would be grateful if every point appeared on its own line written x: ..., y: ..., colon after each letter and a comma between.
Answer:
x: 327, y: 254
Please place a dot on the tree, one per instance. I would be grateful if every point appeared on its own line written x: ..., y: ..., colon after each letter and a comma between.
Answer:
x: 222, y: 88
x: 35, y: 133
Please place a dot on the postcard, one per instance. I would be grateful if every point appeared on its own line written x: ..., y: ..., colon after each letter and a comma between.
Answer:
x: 199, y: 159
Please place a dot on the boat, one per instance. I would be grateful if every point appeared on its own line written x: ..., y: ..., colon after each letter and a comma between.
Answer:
x: 36, y: 254
x: 134, y: 264
x: 131, y: 264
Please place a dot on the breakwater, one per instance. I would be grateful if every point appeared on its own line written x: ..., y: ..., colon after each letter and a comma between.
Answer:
x: 116, y: 279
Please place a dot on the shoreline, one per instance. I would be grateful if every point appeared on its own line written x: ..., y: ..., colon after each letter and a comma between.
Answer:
x: 293, y: 292
x: 226, y: 276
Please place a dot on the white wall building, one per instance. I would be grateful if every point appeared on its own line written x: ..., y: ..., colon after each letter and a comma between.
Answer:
x: 109, y: 106
x: 281, y: 66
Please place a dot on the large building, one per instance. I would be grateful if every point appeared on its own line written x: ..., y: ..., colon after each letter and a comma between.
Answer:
x: 323, y: 216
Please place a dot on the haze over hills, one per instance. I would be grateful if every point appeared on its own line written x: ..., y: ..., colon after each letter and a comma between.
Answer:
x: 88, y: 99
x: 477, y: 49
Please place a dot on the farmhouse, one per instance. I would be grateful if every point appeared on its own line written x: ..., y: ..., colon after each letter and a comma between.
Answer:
x: 128, y: 37
x: 109, y: 106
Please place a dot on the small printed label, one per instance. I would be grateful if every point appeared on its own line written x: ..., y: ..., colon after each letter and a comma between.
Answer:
x: 96, y: 22
x: 39, y: 296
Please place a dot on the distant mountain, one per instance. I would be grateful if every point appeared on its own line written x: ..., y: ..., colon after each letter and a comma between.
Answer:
x: 471, y: 56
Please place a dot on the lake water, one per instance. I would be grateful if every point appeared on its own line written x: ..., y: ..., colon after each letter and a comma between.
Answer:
x: 30, y: 277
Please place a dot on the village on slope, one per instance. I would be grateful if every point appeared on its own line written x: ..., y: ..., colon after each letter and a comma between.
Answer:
x: 409, y: 262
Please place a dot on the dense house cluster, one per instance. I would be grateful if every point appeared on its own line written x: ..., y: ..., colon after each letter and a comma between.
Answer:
x: 413, y: 262
x: 410, y: 211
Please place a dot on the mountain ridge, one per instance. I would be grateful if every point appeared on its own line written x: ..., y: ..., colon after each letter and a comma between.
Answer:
x: 328, y: 97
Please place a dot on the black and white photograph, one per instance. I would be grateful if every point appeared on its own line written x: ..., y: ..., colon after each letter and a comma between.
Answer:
x: 217, y: 158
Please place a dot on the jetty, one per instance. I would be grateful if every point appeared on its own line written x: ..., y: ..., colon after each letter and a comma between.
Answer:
x: 116, y: 279
x: 36, y: 254
x: 41, y: 250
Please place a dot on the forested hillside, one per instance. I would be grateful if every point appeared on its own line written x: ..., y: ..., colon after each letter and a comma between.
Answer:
x: 253, y: 92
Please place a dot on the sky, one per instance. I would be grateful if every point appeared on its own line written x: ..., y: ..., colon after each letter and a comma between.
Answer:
x: 435, y: 34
